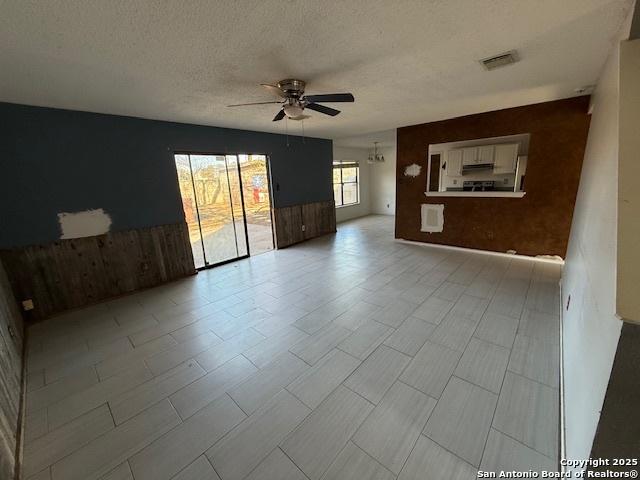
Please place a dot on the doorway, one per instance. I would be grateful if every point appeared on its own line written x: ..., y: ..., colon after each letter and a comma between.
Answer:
x: 227, y: 206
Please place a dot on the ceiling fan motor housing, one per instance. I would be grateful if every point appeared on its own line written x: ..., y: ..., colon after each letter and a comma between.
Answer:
x: 292, y: 87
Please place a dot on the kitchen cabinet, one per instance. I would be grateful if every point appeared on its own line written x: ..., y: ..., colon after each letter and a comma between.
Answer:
x: 505, y: 158
x: 470, y: 156
x: 454, y: 163
x: 485, y: 154
x: 477, y: 155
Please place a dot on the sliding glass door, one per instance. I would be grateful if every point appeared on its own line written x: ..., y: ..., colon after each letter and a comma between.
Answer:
x: 254, y: 170
x: 212, y: 198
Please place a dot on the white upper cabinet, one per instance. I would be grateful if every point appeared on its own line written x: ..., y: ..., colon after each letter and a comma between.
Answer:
x: 505, y: 158
x: 485, y: 154
x: 454, y: 163
x: 477, y: 155
x: 470, y: 156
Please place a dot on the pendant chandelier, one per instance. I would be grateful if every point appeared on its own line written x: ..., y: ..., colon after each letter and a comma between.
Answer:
x: 374, y: 156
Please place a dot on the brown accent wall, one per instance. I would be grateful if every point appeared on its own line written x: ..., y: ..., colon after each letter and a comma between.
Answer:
x: 11, y: 338
x: 74, y: 273
x: 537, y: 224
x: 318, y: 218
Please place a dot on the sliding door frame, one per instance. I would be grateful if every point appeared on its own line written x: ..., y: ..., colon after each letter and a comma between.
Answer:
x: 244, y: 213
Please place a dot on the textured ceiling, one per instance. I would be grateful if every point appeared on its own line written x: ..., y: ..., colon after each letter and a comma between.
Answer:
x: 386, y: 138
x: 406, y: 61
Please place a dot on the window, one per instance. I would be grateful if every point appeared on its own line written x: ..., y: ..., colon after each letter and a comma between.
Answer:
x: 345, y: 183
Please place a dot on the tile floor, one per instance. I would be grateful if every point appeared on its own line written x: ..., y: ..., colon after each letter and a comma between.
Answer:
x: 352, y: 356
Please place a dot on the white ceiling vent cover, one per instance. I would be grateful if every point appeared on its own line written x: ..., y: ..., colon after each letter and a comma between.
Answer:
x: 501, y: 60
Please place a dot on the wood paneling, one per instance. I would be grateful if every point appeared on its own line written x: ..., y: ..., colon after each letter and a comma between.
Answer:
x: 318, y: 219
x: 73, y: 273
x: 11, y: 338
x: 537, y: 224
x: 288, y: 225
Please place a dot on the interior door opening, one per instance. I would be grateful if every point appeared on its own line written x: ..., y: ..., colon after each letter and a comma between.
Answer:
x: 227, y: 206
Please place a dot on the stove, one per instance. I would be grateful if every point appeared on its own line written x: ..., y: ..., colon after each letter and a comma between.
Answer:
x: 478, y: 186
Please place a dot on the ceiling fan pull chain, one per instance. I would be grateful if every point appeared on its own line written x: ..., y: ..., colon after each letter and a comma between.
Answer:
x: 286, y: 129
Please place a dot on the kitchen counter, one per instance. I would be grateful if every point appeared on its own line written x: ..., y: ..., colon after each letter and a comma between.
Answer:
x: 460, y: 193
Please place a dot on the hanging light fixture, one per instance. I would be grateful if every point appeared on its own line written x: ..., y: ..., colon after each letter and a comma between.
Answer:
x: 375, y: 156
x: 293, y: 109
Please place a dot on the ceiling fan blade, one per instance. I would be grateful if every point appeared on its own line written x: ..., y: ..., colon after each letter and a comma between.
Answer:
x: 274, y: 89
x: 254, y: 103
x: 279, y: 115
x: 322, y: 109
x: 330, y: 97
x: 300, y: 117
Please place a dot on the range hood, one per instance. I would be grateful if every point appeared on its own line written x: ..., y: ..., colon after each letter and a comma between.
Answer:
x: 474, y: 167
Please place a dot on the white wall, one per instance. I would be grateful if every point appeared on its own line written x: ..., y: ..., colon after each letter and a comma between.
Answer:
x: 383, y: 183
x: 628, y: 281
x: 364, y: 182
x: 591, y: 328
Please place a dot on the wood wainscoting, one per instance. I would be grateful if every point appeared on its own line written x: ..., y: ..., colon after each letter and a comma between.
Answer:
x: 11, y: 368
x: 74, y: 273
x: 318, y: 218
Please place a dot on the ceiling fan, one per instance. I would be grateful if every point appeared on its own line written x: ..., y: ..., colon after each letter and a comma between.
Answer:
x: 294, y: 101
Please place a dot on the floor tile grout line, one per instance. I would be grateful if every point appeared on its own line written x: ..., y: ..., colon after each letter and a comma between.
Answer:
x: 278, y: 447
x: 452, y: 452
x: 247, y: 415
x: 352, y: 391
x: 532, y: 379
x: 368, y: 455
x: 523, y: 444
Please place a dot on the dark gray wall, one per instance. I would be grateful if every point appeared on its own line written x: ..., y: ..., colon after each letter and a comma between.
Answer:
x: 618, y: 433
x: 54, y: 161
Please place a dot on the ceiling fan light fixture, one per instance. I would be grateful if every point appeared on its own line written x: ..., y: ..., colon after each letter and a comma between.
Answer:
x: 293, y: 110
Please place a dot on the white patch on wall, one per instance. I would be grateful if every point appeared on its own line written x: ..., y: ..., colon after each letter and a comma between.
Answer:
x: 432, y: 217
x: 84, y: 224
x: 412, y: 170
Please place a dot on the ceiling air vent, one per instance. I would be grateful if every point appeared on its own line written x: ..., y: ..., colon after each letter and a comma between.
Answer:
x: 501, y: 60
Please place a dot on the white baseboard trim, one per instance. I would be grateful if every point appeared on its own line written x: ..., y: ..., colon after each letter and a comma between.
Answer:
x: 558, y: 261
x: 563, y: 420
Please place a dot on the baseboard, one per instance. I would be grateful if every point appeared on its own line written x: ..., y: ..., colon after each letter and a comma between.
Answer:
x: 483, y: 252
x: 562, y: 434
